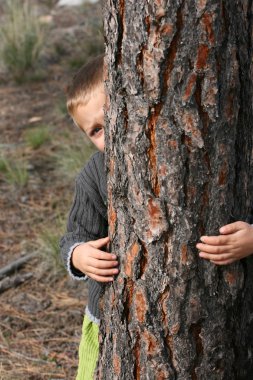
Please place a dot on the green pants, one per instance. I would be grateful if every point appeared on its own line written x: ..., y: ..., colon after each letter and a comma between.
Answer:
x: 88, y: 350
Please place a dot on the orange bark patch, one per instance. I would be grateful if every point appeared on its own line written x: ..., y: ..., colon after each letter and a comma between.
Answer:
x: 173, y: 144
x: 111, y: 166
x: 116, y: 364
x: 122, y: 12
x: 189, y: 87
x: 162, y: 375
x: 153, y: 210
x: 147, y: 22
x: 129, y: 298
x: 155, y: 215
x: 112, y: 299
x: 187, y: 141
x: 167, y: 29
x: 184, y: 253
x: 191, y: 125
x: 163, y: 170
x: 160, y: 12
x: 175, y: 328
x: 202, y: 56
x: 152, y: 151
x: 207, y: 24
x: 130, y: 256
x: 151, y: 343
x: 164, y: 298
x: 140, y: 306
x: 223, y: 174
x: 112, y: 217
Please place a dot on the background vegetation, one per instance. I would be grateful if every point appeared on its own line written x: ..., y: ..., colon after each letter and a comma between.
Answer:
x: 41, y: 46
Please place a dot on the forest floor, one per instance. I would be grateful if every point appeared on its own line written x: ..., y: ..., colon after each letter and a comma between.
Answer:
x: 40, y: 319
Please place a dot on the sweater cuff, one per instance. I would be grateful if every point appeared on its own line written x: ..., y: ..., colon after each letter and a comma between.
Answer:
x: 73, y: 272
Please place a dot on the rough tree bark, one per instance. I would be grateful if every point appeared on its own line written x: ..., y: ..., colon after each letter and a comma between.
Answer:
x: 179, y: 143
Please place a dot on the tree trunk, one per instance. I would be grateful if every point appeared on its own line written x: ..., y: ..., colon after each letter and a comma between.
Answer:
x: 179, y: 146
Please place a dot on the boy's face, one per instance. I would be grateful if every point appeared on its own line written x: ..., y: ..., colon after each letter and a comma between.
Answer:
x: 90, y: 117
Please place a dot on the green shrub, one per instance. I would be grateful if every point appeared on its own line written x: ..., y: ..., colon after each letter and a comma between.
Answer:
x: 37, y: 137
x: 22, y: 38
x: 48, y: 241
x: 15, y: 172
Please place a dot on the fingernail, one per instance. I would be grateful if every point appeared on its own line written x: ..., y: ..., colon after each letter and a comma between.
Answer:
x: 202, y: 238
x: 114, y: 256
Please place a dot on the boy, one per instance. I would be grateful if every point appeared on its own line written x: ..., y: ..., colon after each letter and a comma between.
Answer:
x: 87, y: 229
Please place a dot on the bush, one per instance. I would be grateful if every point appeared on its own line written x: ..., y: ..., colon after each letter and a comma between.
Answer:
x: 37, y: 137
x: 15, y: 172
x: 22, y: 38
x: 49, y: 250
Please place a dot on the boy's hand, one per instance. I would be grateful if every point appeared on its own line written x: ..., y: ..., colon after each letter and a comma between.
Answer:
x: 97, y: 264
x: 234, y: 243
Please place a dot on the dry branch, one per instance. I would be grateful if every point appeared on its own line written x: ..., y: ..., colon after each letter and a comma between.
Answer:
x: 15, y: 265
x: 13, y: 282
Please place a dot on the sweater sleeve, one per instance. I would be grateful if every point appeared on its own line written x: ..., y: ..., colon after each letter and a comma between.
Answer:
x: 85, y: 223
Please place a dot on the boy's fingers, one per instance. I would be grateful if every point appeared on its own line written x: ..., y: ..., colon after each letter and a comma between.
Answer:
x: 100, y: 278
x: 100, y: 242
x: 214, y: 240
x: 233, y: 227
x: 214, y: 249
x: 218, y: 258
x: 101, y: 255
x: 102, y: 264
x: 102, y: 272
x: 224, y: 262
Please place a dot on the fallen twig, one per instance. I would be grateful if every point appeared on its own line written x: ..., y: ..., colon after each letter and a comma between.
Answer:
x: 15, y: 265
x: 18, y: 354
x: 12, y: 282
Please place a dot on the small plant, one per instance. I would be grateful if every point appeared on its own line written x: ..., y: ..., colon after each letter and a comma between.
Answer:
x: 22, y: 38
x: 2, y: 165
x: 15, y: 173
x: 37, y: 137
x: 49, y: 246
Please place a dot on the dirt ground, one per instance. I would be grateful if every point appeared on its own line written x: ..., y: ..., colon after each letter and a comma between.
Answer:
x: 41, y: 318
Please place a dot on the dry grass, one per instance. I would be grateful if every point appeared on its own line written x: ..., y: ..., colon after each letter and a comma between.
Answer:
x: 22, y: 38
x: 47, y: 348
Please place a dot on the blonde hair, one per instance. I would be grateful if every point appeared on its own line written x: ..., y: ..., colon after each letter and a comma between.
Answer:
x: 85, y: 80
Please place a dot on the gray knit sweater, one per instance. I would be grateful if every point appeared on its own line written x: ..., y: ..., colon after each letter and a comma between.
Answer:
x: 87, y: 221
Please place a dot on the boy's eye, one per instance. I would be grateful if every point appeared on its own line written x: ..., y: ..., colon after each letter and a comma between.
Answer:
x: 96, y: 130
